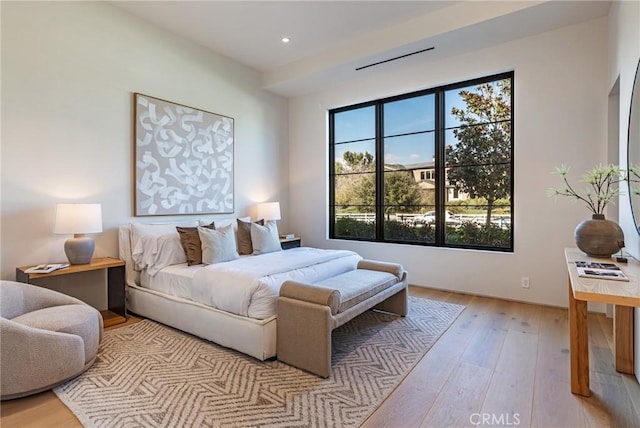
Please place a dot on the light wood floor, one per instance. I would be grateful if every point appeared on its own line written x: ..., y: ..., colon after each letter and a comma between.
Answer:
x: 503, y: 361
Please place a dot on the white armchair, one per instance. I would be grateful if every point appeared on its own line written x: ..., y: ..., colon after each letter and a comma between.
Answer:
x: 46, y: 337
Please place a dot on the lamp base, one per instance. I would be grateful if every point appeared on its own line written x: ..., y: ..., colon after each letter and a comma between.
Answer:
x: 79, y: 250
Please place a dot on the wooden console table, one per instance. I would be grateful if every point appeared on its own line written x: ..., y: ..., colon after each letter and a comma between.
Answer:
x: 624, y: 295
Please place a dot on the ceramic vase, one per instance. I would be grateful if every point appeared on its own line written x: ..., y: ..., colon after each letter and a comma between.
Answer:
x: 599, y: 237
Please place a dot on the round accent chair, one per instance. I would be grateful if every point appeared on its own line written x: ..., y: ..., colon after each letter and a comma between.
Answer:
x: 47, y: 338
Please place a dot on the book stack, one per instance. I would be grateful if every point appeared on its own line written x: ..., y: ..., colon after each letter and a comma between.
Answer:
x: 288, y: 236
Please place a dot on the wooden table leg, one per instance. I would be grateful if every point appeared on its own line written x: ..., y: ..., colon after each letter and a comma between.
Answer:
x: 623, y: 338
x: 579, y: 345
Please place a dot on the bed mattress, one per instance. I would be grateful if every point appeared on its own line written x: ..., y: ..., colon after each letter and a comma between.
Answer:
x: 249, y: 286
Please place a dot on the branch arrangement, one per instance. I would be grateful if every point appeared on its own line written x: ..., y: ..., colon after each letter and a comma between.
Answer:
x: 602, y: 185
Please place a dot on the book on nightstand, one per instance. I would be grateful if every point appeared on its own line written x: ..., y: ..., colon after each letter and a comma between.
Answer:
x: 600, y: 271
x: 288, y: 236
x: 46, y: 268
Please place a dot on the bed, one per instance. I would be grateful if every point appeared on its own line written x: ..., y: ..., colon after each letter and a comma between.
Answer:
x: 232, y: 303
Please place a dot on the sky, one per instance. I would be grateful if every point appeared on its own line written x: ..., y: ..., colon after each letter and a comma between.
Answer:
x: 409, y: 115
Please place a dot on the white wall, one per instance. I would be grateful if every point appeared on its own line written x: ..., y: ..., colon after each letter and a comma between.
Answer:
x: 68, y: 73
x: 560, y: 117
x: 624, y: 54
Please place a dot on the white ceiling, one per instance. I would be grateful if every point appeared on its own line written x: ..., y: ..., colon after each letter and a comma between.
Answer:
x: 329, y: 39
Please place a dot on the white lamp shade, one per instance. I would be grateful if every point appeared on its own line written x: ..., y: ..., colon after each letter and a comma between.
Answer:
x: 269, y: 211
x: 78, y: 218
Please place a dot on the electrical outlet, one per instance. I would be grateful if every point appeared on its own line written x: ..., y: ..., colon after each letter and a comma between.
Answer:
x: 524, y: 282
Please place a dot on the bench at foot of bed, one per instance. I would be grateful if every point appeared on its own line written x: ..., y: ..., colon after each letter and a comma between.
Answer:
x: 308, y: 313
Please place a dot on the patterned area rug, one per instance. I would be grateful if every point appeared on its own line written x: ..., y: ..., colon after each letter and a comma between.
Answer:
x: 149, y: 375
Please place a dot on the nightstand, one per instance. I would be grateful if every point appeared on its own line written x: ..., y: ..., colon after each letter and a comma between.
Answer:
x: 288, y: 243
x: 117, y: 308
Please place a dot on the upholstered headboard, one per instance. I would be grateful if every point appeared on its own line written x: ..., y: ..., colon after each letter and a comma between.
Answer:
x: 132, y: 277
x: 130, y: 233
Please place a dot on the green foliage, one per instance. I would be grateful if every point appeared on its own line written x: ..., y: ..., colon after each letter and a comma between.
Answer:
x: 479, y: 235
x: 466, y: 234
x: 480, y: 161
x: 358, y: 162
x: 400, y: 231
x: 401, y: 192
x: 356, y: 186
x: 427, y: 197
x: 349, y: 227
x: 476, y: 206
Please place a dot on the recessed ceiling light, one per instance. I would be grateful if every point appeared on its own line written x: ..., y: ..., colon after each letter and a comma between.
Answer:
x: 286, y: 40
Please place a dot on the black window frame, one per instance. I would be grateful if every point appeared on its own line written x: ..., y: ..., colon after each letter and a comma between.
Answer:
x: 440, y: 168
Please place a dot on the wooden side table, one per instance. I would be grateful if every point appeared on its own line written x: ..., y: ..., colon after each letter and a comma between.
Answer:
x: 624, y: 295
x: 288, y: 243
x: 116, y: 300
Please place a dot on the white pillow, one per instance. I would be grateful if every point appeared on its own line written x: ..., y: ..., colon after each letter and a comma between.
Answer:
x: 138, y: 230
x: 265, y: 239
x: 218, y: 245
x: 160, y: 251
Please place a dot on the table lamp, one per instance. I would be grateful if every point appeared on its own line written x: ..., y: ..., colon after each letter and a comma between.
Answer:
x: 78, y: 219
x: 269, y: 211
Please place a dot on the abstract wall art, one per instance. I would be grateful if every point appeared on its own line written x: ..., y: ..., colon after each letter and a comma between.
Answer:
x: 183, y: 159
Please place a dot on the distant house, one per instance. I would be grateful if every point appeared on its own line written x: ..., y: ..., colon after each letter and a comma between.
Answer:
x: 424, y: 173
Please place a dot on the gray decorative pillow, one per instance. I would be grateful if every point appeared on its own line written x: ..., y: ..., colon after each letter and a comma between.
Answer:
x: 218, y: 245
x: 244, y: 236
x: 265, y: 238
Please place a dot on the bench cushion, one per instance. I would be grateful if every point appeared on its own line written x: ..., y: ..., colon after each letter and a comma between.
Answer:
x: 356, y: 286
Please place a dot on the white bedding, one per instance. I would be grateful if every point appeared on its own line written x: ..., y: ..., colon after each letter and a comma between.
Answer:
x: 249, y: 286
x: 174, y: 280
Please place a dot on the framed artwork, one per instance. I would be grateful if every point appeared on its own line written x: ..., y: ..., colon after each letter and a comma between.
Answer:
x: 183, y: 159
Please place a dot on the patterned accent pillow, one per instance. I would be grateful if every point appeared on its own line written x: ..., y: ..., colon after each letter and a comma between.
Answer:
x: 218, y: 245
x: 244, y: 236
x: 191, y: 244
x: 265, y: 239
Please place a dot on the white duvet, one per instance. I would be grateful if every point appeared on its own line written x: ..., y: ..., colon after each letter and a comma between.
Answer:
x: 249, y: 286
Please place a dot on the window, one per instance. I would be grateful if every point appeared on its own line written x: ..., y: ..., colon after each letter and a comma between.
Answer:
x: 426, y: 175
x: 432, y: 167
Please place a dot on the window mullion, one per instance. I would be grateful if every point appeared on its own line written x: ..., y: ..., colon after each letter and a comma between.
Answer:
x: 440, y: 170
x: 379, y: 174
x: 332, y: 177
